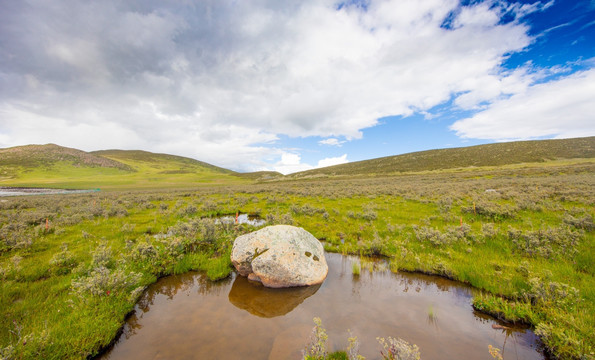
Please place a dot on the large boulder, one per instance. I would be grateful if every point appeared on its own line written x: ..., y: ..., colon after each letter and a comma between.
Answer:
x: 280, y: 256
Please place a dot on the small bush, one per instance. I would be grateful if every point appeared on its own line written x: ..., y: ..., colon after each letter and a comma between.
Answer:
x: 316, y: 348
x: 102, y: 256
x: 63, y: 262
x: 585, y: 222
x: 101, y: 281
x: 434, y: 236
x: 209, y: 207
x: 491, y: 210
x: 369, y: 215
x: 189, y: 210
x: 545, y: 242
x: 118, y: 211
x: 398, y: 349
x: 552, y: 293
x: 143, y: 251
x: 353, y: 348
x: 488, y: 231
x: 563, y: 342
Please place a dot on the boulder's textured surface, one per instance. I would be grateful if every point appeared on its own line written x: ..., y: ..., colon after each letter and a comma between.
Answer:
x: 280, y: 256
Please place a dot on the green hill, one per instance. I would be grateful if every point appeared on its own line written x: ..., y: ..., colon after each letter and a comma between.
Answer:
x: 47, y: 156
x: 262, y: 175
x: 162, y: 163
x: 498, y: 154
x: 60, y: 167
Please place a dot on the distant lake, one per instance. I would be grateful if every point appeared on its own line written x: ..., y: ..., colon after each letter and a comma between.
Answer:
x: 22, y: 191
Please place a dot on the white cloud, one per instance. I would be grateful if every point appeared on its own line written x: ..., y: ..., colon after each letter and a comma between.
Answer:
x: 562, y: 108
x: 290, y: 163
x: 41, y: 129
x: 333, y: 161
x: 331, y: 142
x: 522, y: 10
x: 221, y: 80
x: 490, y: 88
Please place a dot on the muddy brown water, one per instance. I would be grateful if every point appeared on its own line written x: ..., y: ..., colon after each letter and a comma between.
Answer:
x: 189, y: 317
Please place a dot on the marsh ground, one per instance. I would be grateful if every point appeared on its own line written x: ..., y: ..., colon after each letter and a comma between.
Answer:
x: 73, y: 266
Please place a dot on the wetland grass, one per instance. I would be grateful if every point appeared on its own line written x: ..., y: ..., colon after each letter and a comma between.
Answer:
x: 529, y: 244
x: 356, y: 268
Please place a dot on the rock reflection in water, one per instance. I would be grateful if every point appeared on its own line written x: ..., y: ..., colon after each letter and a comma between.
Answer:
x: 189, y: 317
x: 169, y: 287
x: 264, y: 302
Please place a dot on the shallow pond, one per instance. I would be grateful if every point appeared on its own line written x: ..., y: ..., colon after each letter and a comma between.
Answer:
x: 249, y: 219
x: 19, y: 191
x: 187, y: 316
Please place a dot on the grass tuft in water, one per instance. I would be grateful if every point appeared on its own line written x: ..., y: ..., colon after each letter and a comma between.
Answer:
x: 356, y: 268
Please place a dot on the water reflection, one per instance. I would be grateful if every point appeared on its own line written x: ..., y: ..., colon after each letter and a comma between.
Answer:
x: 187, y: 316
x: 249, y: 219
x: 265, y: 302
x: 20, y: 191
x: 168, y: 288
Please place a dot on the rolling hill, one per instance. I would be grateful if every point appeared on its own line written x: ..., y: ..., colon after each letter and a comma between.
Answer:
x: 49, y: 155
x: 60, y: 167
x: 261, y: 175
x: 162, y: 163
x: 498, y: 154
x: 56, y: 166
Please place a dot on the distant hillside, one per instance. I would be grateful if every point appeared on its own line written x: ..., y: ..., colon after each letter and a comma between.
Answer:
x: 59, y: 167
x: 31, y: 156
x: 261, y: 175
x: 56, y: 166
x: 481, y: 155
x: 164, y: 163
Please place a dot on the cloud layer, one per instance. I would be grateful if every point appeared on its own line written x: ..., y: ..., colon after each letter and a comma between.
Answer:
x: 220, y: 80
x: 563, y: 108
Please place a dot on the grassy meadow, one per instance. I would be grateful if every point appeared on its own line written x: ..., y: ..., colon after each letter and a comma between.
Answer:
x: 53, y: 166
x: 73, y: 266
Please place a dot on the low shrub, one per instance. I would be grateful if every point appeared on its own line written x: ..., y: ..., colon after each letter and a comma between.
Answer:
x: 101, y: 281
x: 398, y: 349
x: 491, y: 210
x: 63, y: 262
x: 545, y: 243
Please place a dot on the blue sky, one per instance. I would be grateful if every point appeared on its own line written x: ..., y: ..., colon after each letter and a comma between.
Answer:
x: 293, y: 85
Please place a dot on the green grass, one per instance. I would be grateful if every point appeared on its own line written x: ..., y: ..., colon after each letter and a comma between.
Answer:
x: 38, y: 296
x: 44, y: 156
x: 56, y: 167
x: 498, y: 154
x: 356, y: 269
x: 529, y: 244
